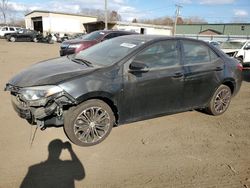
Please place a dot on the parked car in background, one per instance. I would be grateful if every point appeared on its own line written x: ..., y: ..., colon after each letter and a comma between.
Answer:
x: 6, y: 30
x: 24, y: 35
x: 122, y: 80
x: 214, y: 43
x: 69, y: 37
x: 239, y: 49
x: 49, y: 38
x: 76, y: 45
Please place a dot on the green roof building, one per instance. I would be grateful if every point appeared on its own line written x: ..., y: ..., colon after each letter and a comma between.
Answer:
x: 242, y: 29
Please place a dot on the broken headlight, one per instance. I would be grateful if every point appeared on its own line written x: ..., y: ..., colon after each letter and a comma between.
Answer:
x: 36, y: 93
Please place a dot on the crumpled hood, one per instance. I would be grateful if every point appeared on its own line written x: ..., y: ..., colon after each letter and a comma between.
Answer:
x: 50, y: 72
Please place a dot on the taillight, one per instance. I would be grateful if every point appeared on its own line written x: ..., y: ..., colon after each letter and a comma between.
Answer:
x: 240, y: 66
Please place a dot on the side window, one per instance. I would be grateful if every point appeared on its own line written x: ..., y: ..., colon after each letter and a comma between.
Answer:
x: 247, y: 46
x: 5, y: 29
x: 195, y: 53
x: 213, y: 56
x: 12, y: 29
x: 160, y: 54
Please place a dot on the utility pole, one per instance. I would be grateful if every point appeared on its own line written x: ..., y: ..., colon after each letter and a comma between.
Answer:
x: 106, y: 15
x: 177, y: 13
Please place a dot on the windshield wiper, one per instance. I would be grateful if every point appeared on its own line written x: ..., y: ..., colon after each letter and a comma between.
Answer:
x: 82, y: 61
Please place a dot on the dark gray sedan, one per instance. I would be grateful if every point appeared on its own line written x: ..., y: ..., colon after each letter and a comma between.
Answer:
x: 122, y: 80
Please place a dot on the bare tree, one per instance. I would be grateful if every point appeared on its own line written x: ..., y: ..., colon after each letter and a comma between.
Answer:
x: 194, y: 20
x: 4, y: 9
x: 112, y: 15
x: 134, y: 20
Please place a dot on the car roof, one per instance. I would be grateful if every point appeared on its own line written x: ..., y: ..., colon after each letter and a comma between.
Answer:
x: 116, y: 31
x: 238, y: 40
x: 147, y: 38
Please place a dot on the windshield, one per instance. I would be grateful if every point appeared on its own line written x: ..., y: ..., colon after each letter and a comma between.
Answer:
x: 232, y: 45
x: 93, y: 36
x: 110, y: 51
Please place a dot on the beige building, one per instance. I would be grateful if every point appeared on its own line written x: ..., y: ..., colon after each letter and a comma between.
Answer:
x: 56, y: 22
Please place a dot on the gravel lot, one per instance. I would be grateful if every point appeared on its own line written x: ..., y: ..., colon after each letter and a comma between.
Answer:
x: 189, y: 149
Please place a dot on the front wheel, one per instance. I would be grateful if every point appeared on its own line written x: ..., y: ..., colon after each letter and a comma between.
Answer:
x: 220, y: 101
x: 35, y: 39
x: 12, y: 39
x: 89, y: 123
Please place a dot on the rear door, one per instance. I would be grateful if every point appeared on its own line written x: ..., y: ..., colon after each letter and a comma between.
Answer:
x: 157, y: 90
x: 203, y: 71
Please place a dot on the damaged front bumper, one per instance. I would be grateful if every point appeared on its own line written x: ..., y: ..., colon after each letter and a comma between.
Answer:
x: 41, y: 112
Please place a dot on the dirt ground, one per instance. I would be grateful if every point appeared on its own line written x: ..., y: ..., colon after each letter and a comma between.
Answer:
x: 189, y: 149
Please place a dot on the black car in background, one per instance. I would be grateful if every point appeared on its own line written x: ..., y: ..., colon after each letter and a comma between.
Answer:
x: 122, y: 80
x: 85, y: 41
x: 22, y: 35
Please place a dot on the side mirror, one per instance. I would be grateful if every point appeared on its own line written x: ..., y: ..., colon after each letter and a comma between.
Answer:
x: 138, y: 67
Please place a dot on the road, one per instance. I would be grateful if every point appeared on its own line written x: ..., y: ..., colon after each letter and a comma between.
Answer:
x: 189, y: 149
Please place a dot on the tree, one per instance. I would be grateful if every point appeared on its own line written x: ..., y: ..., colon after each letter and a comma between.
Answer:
x: 4, y: 9
x: 114, y: 16
x: 194, y: 20
x: 159, y: 21
x: 134, y: 20
x: 100, y: 14
x: 179, y: 21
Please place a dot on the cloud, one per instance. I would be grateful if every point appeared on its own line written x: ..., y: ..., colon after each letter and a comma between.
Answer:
x: 75, y: 6
x: 129, y: 13
x: 240, y: 13
x: 216, y: 2
x: 16, y: 6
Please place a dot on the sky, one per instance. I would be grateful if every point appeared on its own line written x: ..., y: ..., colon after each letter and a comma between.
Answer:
x: 212, y: 11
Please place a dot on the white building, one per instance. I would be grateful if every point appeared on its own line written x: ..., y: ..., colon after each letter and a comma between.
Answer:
x: 147, y: 29
x: 56, y: 22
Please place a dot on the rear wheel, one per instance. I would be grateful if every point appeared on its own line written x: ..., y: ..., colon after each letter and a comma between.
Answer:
x: 89, y: 123
x: 220, y: 101
x: 12, y: 39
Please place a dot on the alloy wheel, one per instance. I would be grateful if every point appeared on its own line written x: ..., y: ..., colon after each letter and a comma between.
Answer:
x: 92, y: 124
x: 222, y: 100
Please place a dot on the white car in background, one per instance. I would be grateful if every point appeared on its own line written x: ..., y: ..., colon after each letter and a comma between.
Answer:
x: 239, y: 49
x: 5, y: 30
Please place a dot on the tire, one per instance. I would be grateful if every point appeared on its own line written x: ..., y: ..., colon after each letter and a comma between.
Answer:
x: 35, y: 40
x: 220, y: 101
x: 89, y: 123
x: 12, y: 39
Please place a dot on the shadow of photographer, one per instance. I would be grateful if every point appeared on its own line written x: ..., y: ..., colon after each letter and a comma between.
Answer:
x: 55, y: 172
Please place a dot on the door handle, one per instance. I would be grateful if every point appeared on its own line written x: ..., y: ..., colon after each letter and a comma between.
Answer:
x: 178, y: 75
x: 218, y: 68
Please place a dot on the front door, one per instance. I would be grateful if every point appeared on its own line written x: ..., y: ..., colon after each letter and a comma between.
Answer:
x: 158, y: 89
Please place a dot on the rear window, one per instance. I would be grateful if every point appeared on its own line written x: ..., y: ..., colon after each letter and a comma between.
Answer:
x: 5, y: 29
x: 195, y: 52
